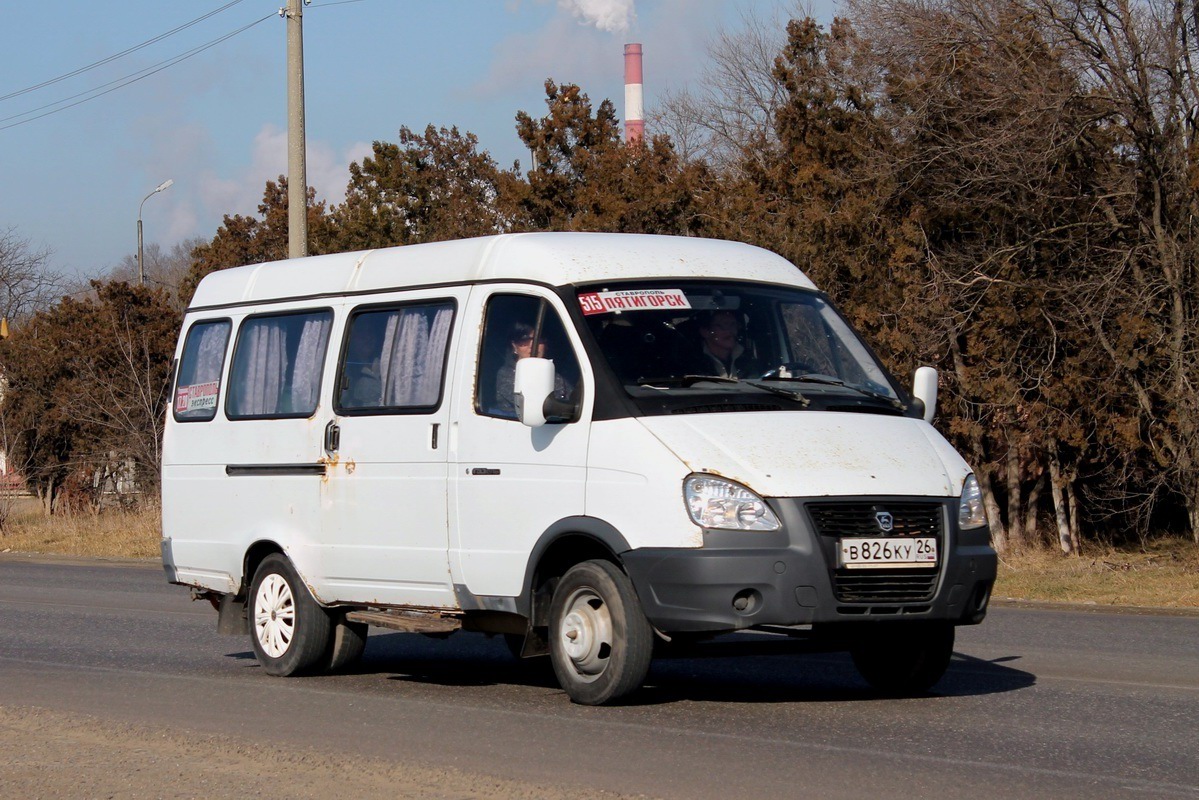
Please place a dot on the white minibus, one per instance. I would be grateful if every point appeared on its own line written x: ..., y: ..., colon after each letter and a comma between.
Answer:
x: 601, y: 446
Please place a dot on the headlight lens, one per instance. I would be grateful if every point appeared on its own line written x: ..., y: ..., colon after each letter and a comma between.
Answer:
x: 717, y: 503
x: 971, y: 513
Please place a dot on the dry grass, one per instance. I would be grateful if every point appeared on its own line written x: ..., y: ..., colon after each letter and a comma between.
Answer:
x: 114, y: 533
x: 1163, y: 575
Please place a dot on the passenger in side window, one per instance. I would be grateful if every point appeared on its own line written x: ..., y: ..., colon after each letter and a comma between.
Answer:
x: 363, y: 386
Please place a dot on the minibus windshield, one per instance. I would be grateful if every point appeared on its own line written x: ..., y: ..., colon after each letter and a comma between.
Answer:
x: 758, y: 345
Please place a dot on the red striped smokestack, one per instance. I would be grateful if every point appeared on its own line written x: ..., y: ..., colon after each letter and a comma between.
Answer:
x: 634, y: 118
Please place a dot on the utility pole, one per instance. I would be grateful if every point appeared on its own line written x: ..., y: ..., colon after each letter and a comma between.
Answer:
x: 297, y: 177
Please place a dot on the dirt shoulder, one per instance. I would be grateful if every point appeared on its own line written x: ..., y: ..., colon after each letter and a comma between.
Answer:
x: 49, y: 754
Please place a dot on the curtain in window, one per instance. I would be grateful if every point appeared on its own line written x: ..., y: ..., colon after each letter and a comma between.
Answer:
x: 264, y: 355
x: 413, y: 354
x: 210, y: 353
x: 306, y: 376
x: 428, y: 381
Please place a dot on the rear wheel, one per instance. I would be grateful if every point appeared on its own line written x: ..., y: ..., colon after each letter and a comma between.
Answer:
x: 601, y: 644
x: 290, y: 631
x: 904, y: 659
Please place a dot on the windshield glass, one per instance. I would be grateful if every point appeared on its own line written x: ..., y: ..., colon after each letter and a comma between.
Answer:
x: 767, y: 345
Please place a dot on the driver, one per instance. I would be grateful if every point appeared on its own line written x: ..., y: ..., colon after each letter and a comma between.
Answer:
x: 721, y: 350
x: 520, y: 344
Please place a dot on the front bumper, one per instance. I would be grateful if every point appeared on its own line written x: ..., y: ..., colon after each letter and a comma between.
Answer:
x: 739, y: 580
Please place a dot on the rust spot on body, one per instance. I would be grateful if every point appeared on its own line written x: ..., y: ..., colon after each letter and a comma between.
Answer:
x: 350, y: 467
x: 330, y: 463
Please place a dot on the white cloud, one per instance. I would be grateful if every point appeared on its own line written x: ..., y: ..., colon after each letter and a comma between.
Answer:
x: 328, y: 171
x: 614, y: 16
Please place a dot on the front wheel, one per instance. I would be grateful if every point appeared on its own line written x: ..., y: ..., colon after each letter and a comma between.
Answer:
x: 290, y: 631
x: 600, y: 642
x: 904, y: 660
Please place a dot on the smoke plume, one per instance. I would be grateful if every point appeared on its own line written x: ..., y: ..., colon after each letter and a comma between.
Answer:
x: 614, y: 16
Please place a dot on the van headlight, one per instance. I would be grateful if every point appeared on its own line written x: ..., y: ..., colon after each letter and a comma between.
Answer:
x: 971, y: 513
x: 717, y: 503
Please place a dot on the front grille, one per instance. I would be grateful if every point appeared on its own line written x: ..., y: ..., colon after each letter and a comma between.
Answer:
x: 861, y: 519
x: 884, y: 586
x: 836, y: 520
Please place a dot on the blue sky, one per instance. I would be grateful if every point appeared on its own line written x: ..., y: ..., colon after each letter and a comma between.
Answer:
x: 216, y: 122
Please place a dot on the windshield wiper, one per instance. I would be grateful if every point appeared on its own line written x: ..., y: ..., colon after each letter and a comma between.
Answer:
x: 687, y: 381
x: 829, y: 381
x: 794, y: 395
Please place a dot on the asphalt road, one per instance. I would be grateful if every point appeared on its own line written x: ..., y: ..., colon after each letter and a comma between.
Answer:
x: 1037, y: 704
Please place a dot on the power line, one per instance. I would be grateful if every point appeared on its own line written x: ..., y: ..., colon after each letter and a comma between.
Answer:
x: 141, y: 72
x: 131, y: 78
x: 114, y: 57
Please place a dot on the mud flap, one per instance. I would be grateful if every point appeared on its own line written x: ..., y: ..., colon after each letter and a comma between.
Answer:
x: 231, y: 616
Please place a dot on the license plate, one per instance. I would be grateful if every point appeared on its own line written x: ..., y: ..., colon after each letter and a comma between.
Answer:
x: 890, y: 552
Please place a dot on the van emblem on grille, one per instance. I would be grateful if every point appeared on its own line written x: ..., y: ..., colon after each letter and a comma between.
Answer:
x: 885, y: 521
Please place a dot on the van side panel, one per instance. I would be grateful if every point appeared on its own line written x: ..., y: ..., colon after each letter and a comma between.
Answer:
x: 229, y: 483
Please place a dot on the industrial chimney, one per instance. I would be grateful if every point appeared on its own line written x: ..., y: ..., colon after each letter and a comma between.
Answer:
x: 634, y: 117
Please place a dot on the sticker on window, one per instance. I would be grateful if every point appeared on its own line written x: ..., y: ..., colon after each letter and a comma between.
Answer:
x: 197, y: 397
x: 633, y: 300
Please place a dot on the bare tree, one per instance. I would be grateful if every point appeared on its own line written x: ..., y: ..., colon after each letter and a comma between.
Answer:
x: 27, y: 282
x: 1137, y: 59
x: 1051, y: 146
x: 737, y: 98
x: 165, y: 269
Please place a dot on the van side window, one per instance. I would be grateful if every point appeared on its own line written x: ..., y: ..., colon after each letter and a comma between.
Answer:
x: 394, y: 359
x: 277, y: 365
x: 200, y: 368
x: 510, y: 333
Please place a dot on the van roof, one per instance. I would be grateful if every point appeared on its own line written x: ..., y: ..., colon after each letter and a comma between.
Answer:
x: 551, y: 258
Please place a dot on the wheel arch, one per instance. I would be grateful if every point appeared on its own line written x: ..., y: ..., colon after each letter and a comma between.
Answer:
x: 254, y: 556
x: 567, y: 542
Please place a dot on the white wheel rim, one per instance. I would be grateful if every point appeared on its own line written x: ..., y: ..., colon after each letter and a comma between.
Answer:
x: 586, y: 633
x: 274, y: 615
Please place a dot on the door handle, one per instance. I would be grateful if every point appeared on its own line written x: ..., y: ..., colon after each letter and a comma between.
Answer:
x: 332, y: 437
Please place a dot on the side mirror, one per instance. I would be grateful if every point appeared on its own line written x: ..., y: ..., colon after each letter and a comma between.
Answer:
x: 534, y: 383
x: 924, y: 389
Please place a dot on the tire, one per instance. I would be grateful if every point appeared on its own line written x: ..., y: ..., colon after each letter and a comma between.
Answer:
x: 904, y: 660
x: 601, y: 644
x: 290, y: 631
x: 347, y: 641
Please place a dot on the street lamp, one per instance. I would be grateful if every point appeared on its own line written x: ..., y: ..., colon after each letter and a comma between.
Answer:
x: 141, y: 269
